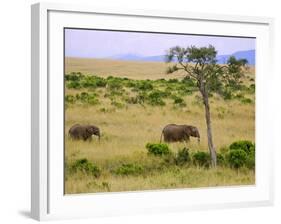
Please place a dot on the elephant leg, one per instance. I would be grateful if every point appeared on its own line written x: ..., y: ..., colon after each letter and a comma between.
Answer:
x: 90, y: 138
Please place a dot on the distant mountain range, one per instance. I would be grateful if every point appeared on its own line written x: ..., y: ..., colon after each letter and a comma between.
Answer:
x: 249, y: 55
x: 222, y: 59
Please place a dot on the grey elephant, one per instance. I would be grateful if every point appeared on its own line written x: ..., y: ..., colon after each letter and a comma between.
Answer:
x: 179, y: 133
x: 83, y: 132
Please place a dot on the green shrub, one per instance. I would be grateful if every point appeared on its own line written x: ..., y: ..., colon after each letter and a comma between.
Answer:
x: 224, y: 150
x: 143, y: 85
x: 239, y: 96
x: 173, y: 81
x: 69, y: 99
x: 85, y: 166
x: 184, y: 90
x: 114, y: 83
x: 252, y: 88
x: 237, y: 158
x: 201, y: 159
x: 179, y: 102
x: 226, y: 94
x: 73, y: 85
x: 155, y: 98
x: 93, y: 81
x: 100, y: 82
x: 158, y: 149
x: 187, y: 81
x: 135, y: 99
x: 182, y: 157
x: 85, y: 97
x: 250, y: 161
x: 129, y: 169
x: 221, y: 160
x: 246, y: 101
x: 117, y: 104
x: 73, y: 76
x: 245, y: 145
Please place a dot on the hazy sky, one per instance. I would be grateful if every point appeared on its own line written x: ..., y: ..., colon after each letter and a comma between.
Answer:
x: 102, y: 44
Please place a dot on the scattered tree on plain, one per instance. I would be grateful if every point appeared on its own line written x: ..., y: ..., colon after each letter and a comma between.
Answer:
x: 200, y: 64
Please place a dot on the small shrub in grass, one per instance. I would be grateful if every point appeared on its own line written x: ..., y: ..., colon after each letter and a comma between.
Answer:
x: 156, y: 101
x: 246, y: 101
x: 221, y: 160
x: 244, y: 145
x: 134, y: 100
x: 70, y: 99
x: 73, y: 85
x: 90, y: 98
x: 184, y: 90
x: 85, y: 166
x: 100, y: 82
x: 182, y: 157
x: 237, y: 158
x: 173, y: 81
x: 239, y: 96
x: 179, y: 101
x: 226, y: 94
x: 187, y: 81
x: 158, y: 149
x: 114, y: 84
x: 129, y: 169
x: 117, y: 104
x: 73, y: 76
x: 143, y: 85
x: 224, y: 150
x: 251, y: 88
x: 201, y: 159
x: 155, y: 98
x: 250, y: 161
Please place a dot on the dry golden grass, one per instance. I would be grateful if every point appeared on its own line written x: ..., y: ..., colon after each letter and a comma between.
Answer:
x: 170, y: 179
x: 128, y: 69
x: 125, y: 132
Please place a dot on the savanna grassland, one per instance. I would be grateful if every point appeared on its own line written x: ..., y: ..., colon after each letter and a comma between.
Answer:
x: 131, y: 102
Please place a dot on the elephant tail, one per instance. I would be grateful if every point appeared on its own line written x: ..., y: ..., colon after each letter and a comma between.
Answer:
x: 161, y: 137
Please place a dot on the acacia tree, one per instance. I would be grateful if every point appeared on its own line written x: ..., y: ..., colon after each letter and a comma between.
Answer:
x: 200, y: 64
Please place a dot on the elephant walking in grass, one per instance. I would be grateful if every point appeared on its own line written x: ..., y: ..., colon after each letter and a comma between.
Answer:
x: 179, y: 133
x: 83, y: 132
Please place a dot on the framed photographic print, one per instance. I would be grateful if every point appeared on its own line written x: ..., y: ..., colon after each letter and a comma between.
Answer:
x: 148, y: 111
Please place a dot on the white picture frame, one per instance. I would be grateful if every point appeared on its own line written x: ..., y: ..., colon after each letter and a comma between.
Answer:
x: 47, y: 197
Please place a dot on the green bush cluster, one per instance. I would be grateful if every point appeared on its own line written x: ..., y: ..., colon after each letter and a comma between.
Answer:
x: 155, y: 98
x: 152, y: 92
x: 93, y: 82
x: 201, y: 159
x: 237, y: 158
x: 179, y: 101
x: 129, y: 169
x: 242, y: 153
x: 245, y: 145
x: 73, y: 76
x: 83, y: 97
x: 158, y: 149
x: 83, y: 165
x: 142, y: 85
x: 182, y: 157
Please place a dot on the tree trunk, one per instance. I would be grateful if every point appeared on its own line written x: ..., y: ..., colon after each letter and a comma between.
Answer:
x: 212, y: 150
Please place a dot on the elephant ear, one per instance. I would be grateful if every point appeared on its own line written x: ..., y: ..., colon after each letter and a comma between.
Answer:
x: 89, y: 130
x: 188, y: 130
